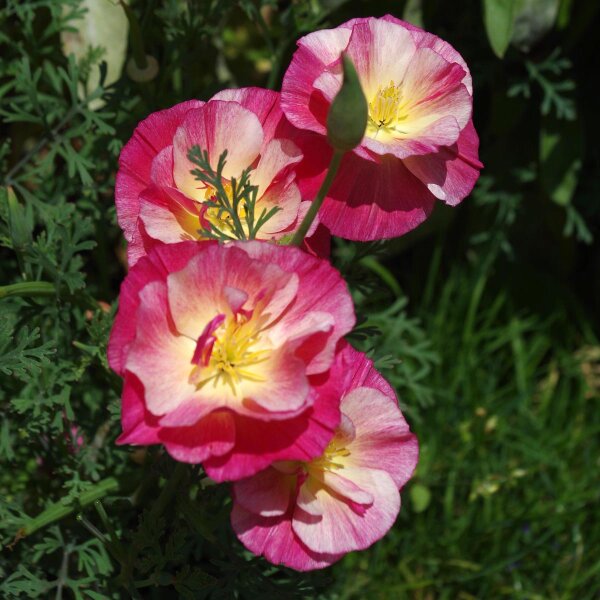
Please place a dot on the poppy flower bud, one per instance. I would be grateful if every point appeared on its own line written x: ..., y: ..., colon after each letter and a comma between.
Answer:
x: 347, y: 118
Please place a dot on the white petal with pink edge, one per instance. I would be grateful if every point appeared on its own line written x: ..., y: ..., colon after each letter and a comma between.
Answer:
x: 340, y: 527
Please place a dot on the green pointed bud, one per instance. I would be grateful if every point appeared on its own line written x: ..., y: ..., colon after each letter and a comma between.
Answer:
x: 347, y: 118
x: 20, y: 219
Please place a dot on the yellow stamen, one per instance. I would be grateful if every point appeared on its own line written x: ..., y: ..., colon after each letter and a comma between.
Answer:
x: 386, y: 109
x: 333, y: 455
x: 233, y: 355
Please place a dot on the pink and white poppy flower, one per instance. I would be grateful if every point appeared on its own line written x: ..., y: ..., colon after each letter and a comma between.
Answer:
x: 159, y: 200
x: 308, y: 514
x: 419, y: 145
x: 226, y: 352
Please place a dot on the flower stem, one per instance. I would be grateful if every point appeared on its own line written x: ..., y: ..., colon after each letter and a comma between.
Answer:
x: 169, y: 490
x: 28, y: 289
x: 334, y: 165
x: 59, y: 509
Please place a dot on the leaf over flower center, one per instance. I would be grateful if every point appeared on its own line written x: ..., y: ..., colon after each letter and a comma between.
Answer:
x: 216, y: 216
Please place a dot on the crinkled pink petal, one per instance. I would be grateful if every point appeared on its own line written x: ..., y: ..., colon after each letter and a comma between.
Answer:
x: 150, y: 136
x: 265, y: 104
x: 307, y: 501
x: 284, y: 393
x: 161, y: 358
x: 301, y: 103
x: 451, y: 173
x: 381, y: 52
x: 167, y: 215
x: 164, y: 187
x: 346, y: 488
x: 205, y: 278
x: 274, y: 303
x: 370, y: 201
x: 428, y: 140
x: 360, y: 372
x: 260, y: 443
x: 383, y: 439
x: 379, y: 193
x: 423, y: 39
x: 273, y: 538
x: 153, y: 267
x: 329, y: 82
x: 139, y: 426
x: 216, y: 127
x: 257, y: 443
x: 320, y: 287
x: 274, y: 162
x: 236, y: 298
x: 213, y: 435
x: 339, y: 528
x: 267, y: 494
x: 260, y: 101
x: 301, y: 330
x: 161, y: 173
x: 435, y: 83
x: 286, y: 197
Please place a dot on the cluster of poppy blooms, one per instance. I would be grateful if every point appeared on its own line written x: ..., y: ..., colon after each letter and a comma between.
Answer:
x: 232, y: 354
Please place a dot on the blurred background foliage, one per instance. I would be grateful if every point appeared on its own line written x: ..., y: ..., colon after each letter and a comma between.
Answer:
x: 485, y: 318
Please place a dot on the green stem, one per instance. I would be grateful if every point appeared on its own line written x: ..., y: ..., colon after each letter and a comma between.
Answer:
x: 169, y: 490
x: 135, y: 35
x: 59, y: 509
x: 334, y: 165
x: 383, y: 273
x: 28, y: 289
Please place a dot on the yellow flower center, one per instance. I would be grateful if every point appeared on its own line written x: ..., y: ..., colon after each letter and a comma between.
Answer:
x: 386, y: 110
x: 234, y: 355
x: 332, y: 457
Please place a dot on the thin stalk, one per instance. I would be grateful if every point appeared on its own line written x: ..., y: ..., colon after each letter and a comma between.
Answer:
x: 92, y: 529
x: 334, y: 165
x: 63, y: 574
x: 113, y: 543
